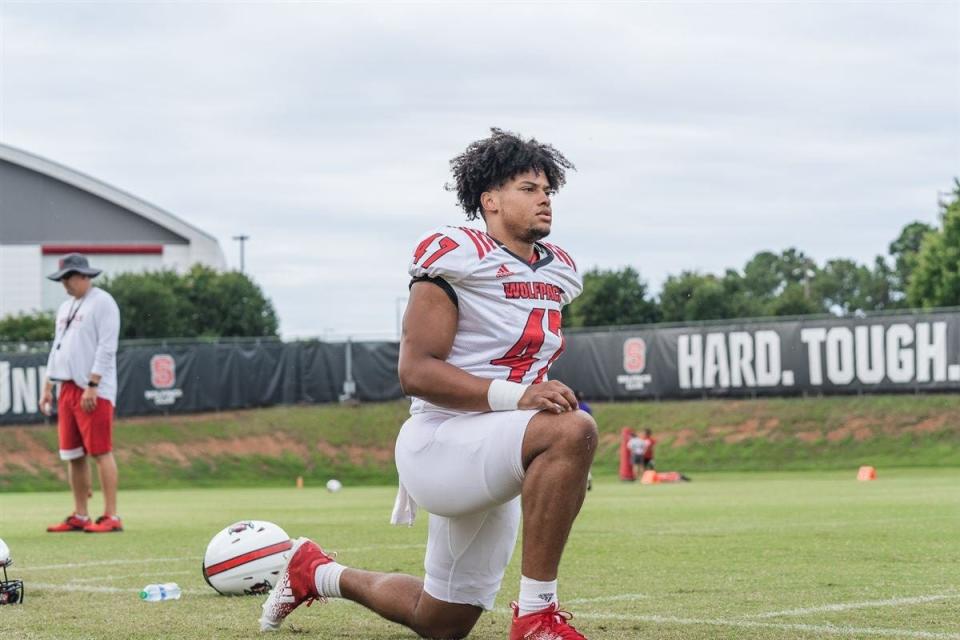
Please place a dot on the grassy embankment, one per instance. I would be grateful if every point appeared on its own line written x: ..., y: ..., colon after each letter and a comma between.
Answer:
x: 273, y: 446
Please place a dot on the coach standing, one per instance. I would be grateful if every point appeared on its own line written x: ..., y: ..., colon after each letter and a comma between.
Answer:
x: 83, y: 361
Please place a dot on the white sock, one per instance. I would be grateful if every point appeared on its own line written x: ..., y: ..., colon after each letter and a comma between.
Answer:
x: 327, y: 579
x: 536, y: 595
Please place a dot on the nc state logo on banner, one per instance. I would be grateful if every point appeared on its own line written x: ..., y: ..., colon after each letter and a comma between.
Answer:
x: 634, y: 362
x: 163, y: 377
x: 634, y: 355
x: 163, y: 371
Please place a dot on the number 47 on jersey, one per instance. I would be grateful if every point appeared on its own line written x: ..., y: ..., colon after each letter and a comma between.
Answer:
x: 523, y: 354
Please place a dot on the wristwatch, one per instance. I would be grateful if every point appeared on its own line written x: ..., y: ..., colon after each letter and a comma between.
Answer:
x: 93, y: 384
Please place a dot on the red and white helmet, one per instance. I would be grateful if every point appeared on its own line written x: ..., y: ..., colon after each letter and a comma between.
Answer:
x: 246, y: 558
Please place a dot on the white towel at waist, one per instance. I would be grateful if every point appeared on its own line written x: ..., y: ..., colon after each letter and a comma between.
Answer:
x: 404, y: 508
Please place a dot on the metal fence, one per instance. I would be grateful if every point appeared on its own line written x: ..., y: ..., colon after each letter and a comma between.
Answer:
x: 889, y: 352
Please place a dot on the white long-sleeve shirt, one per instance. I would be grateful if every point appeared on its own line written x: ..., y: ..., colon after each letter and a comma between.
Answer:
x: 89, y: 345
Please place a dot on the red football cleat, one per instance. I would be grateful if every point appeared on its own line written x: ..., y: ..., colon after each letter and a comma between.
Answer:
x: 296, y: 584
x: 104, y: 524
x: 70, y: 523
x: 549, y: 624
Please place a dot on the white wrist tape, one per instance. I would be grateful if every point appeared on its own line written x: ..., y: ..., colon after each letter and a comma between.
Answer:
x: 505, y: 396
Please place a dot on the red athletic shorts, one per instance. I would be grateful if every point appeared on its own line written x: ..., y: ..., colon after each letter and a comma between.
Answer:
x: 82, y: 433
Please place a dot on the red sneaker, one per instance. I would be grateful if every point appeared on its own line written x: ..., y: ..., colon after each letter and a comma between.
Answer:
x: 549, y: 624
x: 296, y: 584
x: 70, y: 523
x: 104, y: 524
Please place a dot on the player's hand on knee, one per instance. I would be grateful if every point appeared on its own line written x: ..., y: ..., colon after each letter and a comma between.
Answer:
x: 552, y: 396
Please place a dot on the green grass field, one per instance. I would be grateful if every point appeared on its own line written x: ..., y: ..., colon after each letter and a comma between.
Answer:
x: 759, y: 556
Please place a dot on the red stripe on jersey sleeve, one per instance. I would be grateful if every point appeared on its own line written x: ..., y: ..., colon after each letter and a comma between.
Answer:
x: 563, y: 255
x: 569, y: 259
x: 566, y: 257
x: 488, y: 239
x: 477, y: 242
x: 552, y: 250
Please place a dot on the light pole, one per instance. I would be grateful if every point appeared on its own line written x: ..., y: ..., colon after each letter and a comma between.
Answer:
x: 242, y: 238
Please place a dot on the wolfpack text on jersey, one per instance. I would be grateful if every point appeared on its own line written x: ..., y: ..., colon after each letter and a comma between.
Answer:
x: 509, y: 309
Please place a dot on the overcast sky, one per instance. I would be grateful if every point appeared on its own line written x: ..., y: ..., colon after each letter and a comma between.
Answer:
x: 702, y: 132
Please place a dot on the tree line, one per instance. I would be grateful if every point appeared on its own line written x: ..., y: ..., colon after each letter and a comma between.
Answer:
x: 921, y: 270
x: 162, y: 304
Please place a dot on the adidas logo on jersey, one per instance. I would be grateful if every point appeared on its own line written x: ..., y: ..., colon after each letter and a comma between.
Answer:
x: 503, y: 272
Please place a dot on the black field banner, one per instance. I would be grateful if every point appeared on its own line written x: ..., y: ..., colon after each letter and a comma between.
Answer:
x: 21, y: 379
x: 188, y: 378
x: 890, y: 353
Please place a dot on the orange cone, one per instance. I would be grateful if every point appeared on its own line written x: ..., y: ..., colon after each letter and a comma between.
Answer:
x: 649, y: 477
x: 866, y: 473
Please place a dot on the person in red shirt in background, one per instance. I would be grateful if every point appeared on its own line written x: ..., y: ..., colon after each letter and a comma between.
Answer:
x: 648, y: 451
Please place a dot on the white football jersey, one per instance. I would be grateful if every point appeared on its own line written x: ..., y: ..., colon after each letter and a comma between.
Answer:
x: 509, y: 309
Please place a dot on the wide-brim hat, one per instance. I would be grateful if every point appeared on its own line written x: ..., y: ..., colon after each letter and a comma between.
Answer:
x: 74, y: 263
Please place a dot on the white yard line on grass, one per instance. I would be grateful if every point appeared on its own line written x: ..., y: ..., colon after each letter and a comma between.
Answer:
x: 618, y: 598
x: 131, y: 575
x: 829, y: 629
x: 96, y: 563
x: 699, y: 529
x: 86, y: 588
x: 892, y: 602
x: 103, y: 563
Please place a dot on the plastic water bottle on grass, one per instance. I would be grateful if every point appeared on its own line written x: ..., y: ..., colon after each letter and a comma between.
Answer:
x: 160, y: 592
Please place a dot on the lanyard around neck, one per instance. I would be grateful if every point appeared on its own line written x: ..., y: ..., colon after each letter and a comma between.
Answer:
x: 71, y: 315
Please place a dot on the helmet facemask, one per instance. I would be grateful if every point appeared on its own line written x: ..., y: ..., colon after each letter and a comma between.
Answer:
x: 11, y: 591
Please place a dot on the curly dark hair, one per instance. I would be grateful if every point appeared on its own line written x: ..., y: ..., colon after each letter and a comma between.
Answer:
x: 492, y: 162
